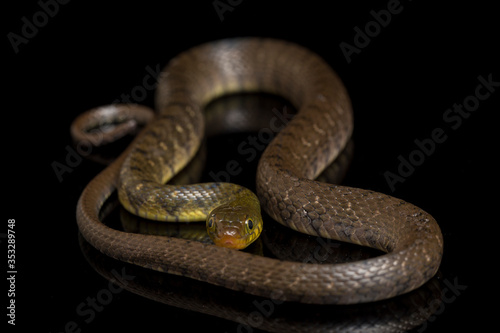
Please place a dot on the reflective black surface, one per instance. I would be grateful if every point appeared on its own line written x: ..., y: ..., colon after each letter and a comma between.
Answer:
x: 424, y: 89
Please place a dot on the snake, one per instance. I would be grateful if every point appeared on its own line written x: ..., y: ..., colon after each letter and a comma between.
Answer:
x: 410, y: 238
x: 400, y: 314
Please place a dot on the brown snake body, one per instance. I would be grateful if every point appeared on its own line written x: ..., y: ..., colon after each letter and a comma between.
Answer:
x: 410, y: 237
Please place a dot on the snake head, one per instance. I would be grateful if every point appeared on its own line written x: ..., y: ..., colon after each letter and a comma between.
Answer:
x: 234, y: 227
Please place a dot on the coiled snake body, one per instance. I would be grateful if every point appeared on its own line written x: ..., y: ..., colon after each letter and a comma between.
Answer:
x: 410, y: 237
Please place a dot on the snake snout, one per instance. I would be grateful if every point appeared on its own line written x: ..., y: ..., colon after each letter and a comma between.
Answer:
x: 230, y: 241
x: 228, y: 234
x: 225, y: 231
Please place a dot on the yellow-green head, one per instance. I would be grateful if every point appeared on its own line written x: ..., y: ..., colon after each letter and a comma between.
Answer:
x: 235, y: 224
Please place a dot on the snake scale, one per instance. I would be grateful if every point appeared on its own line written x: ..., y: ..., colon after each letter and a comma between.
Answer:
x: 410, y: 237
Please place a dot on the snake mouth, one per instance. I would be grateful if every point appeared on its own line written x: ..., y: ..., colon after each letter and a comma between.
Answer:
x: 231, y: 242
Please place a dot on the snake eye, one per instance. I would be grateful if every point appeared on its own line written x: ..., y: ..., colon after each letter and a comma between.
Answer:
x: 210, y: 222
x: 249, y: 224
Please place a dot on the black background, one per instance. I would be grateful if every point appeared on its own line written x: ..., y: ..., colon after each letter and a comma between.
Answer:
x: 401, y: 84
